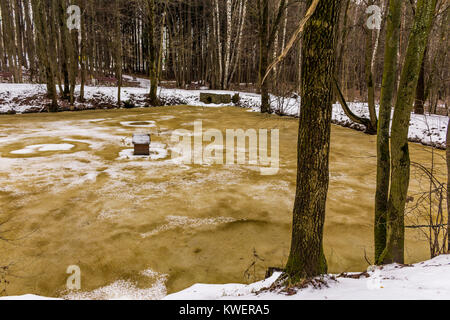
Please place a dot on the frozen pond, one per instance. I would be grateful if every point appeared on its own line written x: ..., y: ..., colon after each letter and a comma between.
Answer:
x: 73, y: 194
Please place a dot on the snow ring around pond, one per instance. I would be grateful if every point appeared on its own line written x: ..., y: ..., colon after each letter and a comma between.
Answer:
x: 139, y: 124
x: 44, y: 148
x: 157, y: 152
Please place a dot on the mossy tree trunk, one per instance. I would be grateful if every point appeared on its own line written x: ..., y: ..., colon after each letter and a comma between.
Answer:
x: 384, y: 121
x: 307, y: 258
x: 400, y: 176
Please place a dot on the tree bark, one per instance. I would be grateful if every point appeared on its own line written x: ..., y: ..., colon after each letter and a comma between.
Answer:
x: 237, y: 61
x: 384, y: 122
x: 394, y: 251
x: 448, y: 187
x: 227, y: 45
x: 19, y: 38
x: 307, y: 258
x: 370, y: 81
x: 31, y: 49
x: 419, y: 104
x: 370, y: 129
x: 161, y: 45
x: 83, y: 58
x: 65, y: 48
x: 266, y: 40
x: 9, y: 41
x: 218, y: 33
x: 152, y: 53
x: 45, y: 48
x: 118, y: 53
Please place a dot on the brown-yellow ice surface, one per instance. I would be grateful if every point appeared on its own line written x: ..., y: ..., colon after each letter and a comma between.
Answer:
x: 69, y: 198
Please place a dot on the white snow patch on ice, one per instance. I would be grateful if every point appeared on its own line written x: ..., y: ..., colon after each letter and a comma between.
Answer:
x: 156, y: 153
x: 174, y: 222
x: 43, y: 148
x: 126, y: 290
x: 139, y: 124
x: 27, y: 297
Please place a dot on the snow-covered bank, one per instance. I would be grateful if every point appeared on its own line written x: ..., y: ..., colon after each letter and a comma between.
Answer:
x: 428, y: 280
x: 430, y: 130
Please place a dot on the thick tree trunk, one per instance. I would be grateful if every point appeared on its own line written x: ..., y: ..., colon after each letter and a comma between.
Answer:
x: 307, y: 257
x: 394, y: 251
x: 384, y: 121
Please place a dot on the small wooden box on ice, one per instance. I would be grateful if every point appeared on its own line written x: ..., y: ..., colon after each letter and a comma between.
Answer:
x: 141, y: 142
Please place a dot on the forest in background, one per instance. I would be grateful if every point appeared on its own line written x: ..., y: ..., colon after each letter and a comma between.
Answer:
x: 221, y: 44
